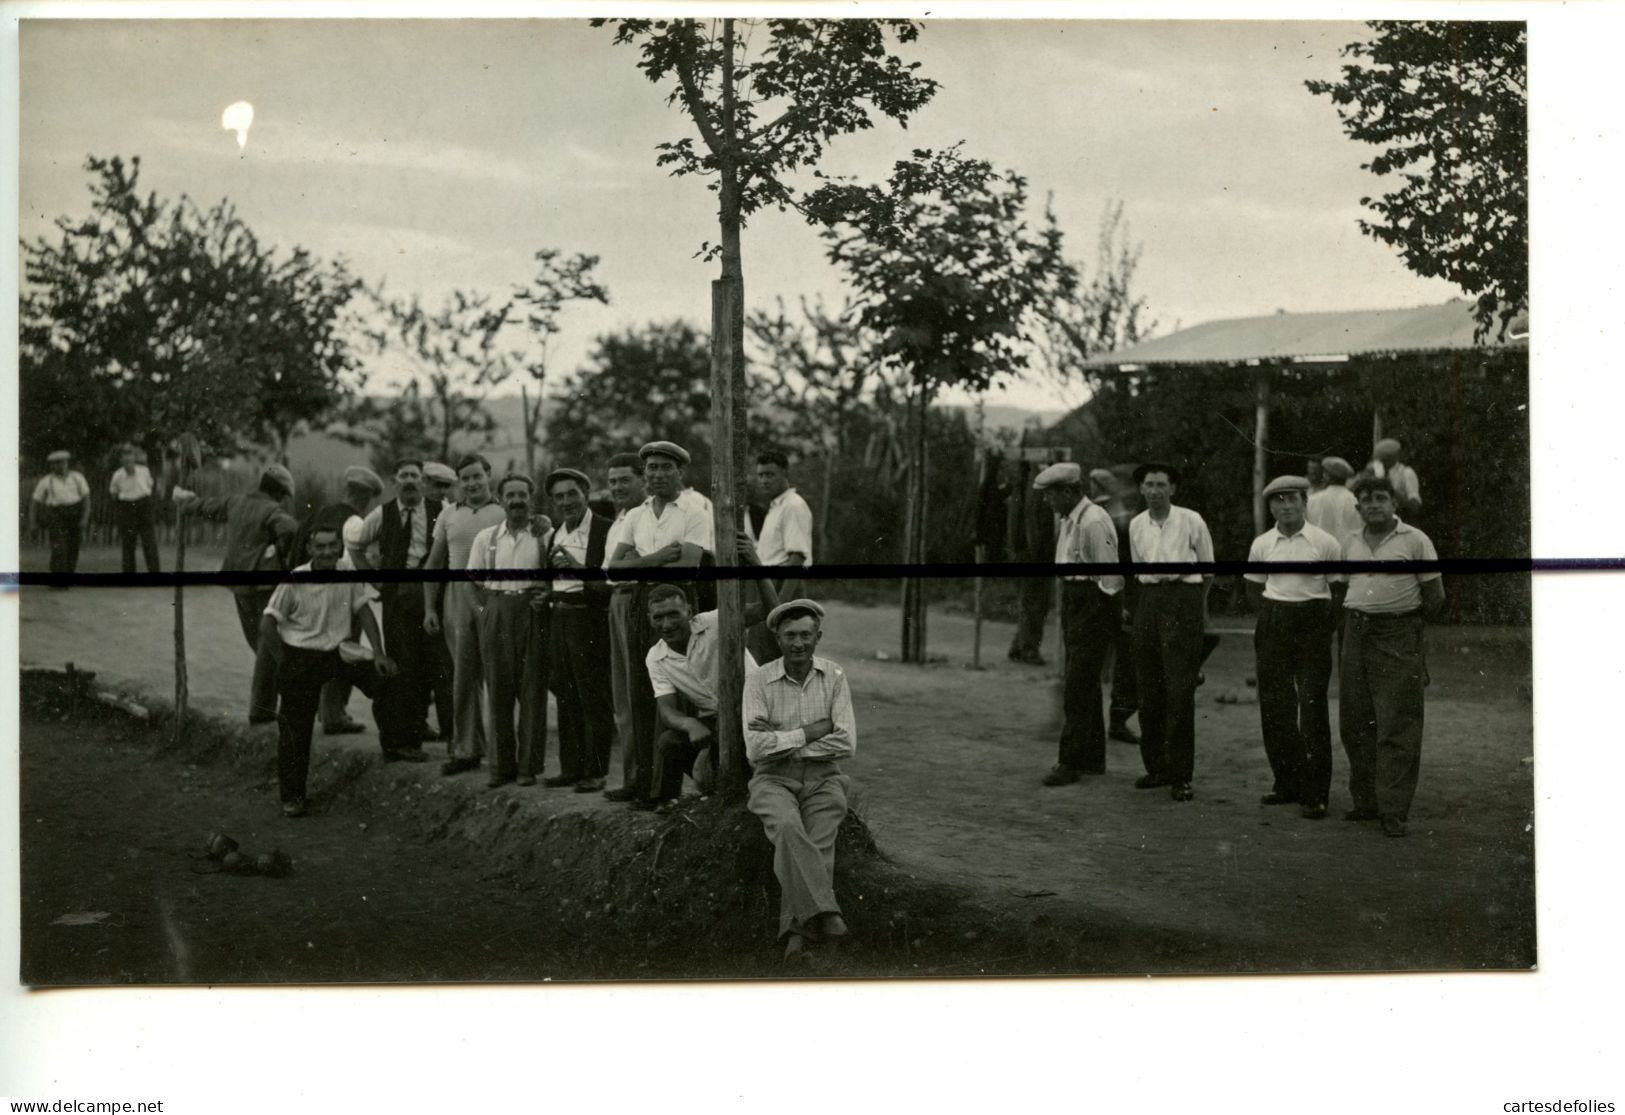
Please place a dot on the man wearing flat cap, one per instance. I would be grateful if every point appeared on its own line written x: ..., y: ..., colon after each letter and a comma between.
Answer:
x: 629, y: 639
x: 1168, y: 629
x: 440, y: 483
x: 1293, y: 645
x: 798, y: 726
x: 1386, y: 464
x: 260, y: 537
x: 1334, y: 509
x: 61, y: 504
x: 1090, y: 606
x: 578, y: 635
x: 1382, y: 676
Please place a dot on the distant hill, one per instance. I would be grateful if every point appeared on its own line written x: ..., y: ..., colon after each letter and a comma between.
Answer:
x: 322, y: 452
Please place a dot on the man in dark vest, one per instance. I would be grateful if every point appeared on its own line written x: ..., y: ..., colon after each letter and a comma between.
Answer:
x: 578, y: 636
x: 403, y: 529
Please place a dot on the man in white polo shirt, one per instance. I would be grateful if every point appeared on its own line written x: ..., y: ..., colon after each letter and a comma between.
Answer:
x: 131, y: 489
x: 312, y: 618
x: 1293, y: 647
x: 785, y: 540
x: 1168, y: 629
x: 1381, y: 683
x: 629, y: 639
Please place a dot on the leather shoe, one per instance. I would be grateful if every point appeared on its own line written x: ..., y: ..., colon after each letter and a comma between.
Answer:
x: 832, y: 925
x: 1360, y: 815
x: 1393, y: 825
x: 621, y: 793
x: 589, y: 785
x: 795, y: 951
x: 557, y: 780
x: 644, y: 805
x: 1181, y: 791
x: 527, y: 780
x: 497, y: 780
x: 1122, y: 733
x: 458, y: 766
x: 1274, y: 797
x: 291, y: 809
x: 1060, y: 776
x: 344, y: 727
x: 1149, y: 782
x: 1313, y: 811
x: 406, y: 755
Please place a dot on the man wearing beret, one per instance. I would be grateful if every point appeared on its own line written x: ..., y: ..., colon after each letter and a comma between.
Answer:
x: 1090, y: 603
x: 798, y: 726
x: 62, y: 502
x: 259, y: 539
x: 578, y: 636
x: 361, y: 487
x: 1293, y: 645
x: 454, y: 533
x: 1380, y: 684
x: 682, y: 668
x: 1168, y: 629
x: 1334, y: 509
x: 1386, y: 464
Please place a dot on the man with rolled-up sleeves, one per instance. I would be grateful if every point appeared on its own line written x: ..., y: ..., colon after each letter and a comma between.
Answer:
x: 1293, y: 645
x: 798, y: 726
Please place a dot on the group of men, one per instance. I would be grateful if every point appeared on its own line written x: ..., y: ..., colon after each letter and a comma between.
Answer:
x: 628, y: 659
x: 60, y: 504
x: 1376, y: 618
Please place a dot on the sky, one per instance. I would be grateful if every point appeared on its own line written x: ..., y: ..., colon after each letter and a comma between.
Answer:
x: 435, y: 155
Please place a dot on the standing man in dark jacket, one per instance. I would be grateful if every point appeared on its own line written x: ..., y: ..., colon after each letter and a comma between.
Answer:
x: 1125, y: 700
x: 403, y: 529
x: 578, y: 636
x: 259, y: 539
x: 1031, y: 534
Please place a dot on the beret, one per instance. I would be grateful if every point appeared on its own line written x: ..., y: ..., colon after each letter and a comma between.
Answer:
x: 1062, y: 472
x: 59, y: 455
x: 568, y: 473
x: 1386, y: 445
x: 1149, y: 467
x: 792, y: 608
x: 1338, y: 467
x: 434, y: 470
x: 1286, y: 484
x: 664, y: 449
x: 281, y: 475
x: 365, y: 477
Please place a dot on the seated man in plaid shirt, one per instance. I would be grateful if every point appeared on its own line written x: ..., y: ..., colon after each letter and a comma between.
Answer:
x: 798, y: 722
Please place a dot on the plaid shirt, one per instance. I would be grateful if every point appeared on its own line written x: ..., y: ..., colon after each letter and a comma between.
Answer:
x: 773, y: 695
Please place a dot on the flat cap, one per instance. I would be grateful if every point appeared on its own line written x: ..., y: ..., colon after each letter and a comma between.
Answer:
x: 59, y: 455
x: 435, y: 470
x: 1286, y: 484
x: 1149, y: 467
x: 1386, y: 445
x: 568, y: 474
x: 1103, y: 477
x: 1337, y: 467
x: 664, y: 449
x: 281, y: 475
x: 1062, y: 472
x: 364, y: 477
x: 790, y: 609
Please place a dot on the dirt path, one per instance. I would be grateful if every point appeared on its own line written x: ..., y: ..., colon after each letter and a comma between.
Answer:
x: 949, y: 761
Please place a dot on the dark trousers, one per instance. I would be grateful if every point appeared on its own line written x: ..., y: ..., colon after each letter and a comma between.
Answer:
x: 62, y: 529
x: 134, y: 517
x: 424, y: 675
x: 579, y: 665
x: 1088, y: 623
x: 1032, y: 601
x: 513, y: 655
x: 1168, y: 655
x: 262, y: 692
x: 762, y: 643
x: 638, y: 762
x: 674, y: 757
x: 1380, y: 709
x: 303, y: 674
x: 1293, y: 644
x: 1125, y: 700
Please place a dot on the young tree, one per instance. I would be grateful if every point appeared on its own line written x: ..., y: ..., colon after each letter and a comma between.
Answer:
x: 559, y: 281
x: 1448, y: 103
x: 1102, y: 313
x: 952, y: 281
x: 759, y: 117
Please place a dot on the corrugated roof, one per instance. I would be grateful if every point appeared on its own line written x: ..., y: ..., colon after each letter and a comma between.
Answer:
x: 1286, y: 336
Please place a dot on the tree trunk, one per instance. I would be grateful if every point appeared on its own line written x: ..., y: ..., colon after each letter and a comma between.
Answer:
x: 728, y: 410
x: 914, y: 604
x: 1261, y: 432
x: 530, y: 430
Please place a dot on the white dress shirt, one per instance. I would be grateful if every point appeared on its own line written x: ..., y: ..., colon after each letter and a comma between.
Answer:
x: 500, y: 547
x: 1335, y: 510
x: 317, y: 615
x: 1086, y: 535
x: 574, y: 543
x: 1182, y: 536
x: 786, y: 529
x: 1310, y: 543
x: 679, y: 521
x: 130, y: 486
x: 420, y: 532
x: 693, y: 671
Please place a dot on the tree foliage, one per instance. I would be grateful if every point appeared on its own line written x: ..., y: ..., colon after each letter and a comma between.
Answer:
x: 148, y: 318
x: 1448, y: 102
x: 1102, y: 312
x: 559, y: 280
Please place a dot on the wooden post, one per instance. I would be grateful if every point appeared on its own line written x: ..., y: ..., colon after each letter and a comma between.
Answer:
x: 1261, y: 433
x: 188, y: 455
x: 530, y: 432
x: 727, y: 425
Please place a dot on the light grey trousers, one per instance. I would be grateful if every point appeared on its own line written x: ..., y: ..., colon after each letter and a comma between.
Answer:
x: 802, y: 803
